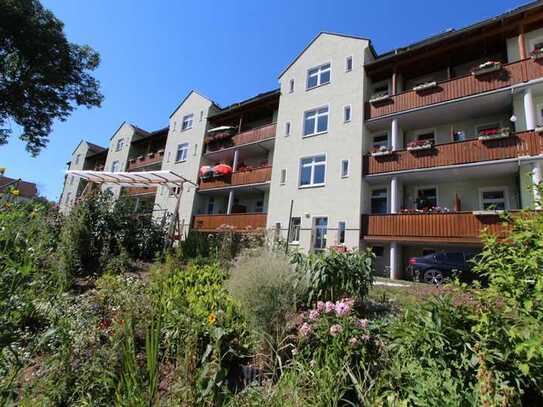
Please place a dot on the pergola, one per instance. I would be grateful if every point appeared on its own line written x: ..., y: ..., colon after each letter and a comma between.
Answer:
x: 169, y: 179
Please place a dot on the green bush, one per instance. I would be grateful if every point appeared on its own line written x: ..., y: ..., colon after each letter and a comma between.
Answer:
x: 332, y: 275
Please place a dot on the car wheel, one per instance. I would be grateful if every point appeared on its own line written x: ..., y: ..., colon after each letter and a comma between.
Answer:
x: 433, y: 276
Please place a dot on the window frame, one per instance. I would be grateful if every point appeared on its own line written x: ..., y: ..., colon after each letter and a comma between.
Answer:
x: 121, y: 143
x: 187, y: 144
x: 533, y: 41
x: 314, y: 228
x: 291, y: 84
x: 288, y: 128
x: 185, y: 119
x: 502, y: 188
x: 283, y: 180
x: 380, y: 135
x: 318, y: 74
x: 386, y: 82
x: 349, y: 61
x: 387, y: 204
x: 114, y: 164
x: 421, y: 187
x: 348, y: 108
x: 315, y: 127
x: 348, y: 172
x: 422, y: 132
x: 290, y: 235
x: 341, y: 231
x: 312, y: 185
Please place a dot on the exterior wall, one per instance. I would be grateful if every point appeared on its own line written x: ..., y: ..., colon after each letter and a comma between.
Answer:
x: 72, y: 184
x: 340, y: 198
x: 513, y: 53
x: 125, y: 132
x: 193, y: 104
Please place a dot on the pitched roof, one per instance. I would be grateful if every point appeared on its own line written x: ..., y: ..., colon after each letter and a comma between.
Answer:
x: 260, y: 97
x: 26, y: 189
x: 186, y: 97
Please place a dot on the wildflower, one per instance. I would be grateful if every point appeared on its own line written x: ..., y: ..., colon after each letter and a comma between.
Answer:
x: 362, y: 323
x: 211, y: 318
x: 305, y: 329
x: 314, y: 314
x: 320, y: 306
x: 342, y: 309
x: 336, y: 329
x: 329, y: 307
x: 353, y: 342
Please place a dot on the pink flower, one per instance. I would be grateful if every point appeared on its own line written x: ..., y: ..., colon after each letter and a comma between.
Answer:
x: 362, y: 323
x: 336, y: 329
x: 314, y: 314
x: 329, y: 307
x: 342, y: 309
x: 305, y: 329
x: 320, y: 306
x: 354, y: 342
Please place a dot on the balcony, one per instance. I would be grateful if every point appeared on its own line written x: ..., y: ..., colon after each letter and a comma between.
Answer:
x: 467, y: 85
x: 241, y: 222
x: 138, y: 191
x: 461, y: 152
x: 255, y: 176
x: 145, y: 160
x: 451, y: 227
x: 247, y: 137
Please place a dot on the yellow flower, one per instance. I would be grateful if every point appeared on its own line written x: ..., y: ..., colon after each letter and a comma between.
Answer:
x: 211, y: 318
x: 15, y: 192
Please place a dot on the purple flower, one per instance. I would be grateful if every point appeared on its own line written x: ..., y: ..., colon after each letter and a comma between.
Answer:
x: 329, y: 307
x: 354, y: 342
x: 320, y: 306
x: 336, y: 329
x: 362, y: 323
x: 342, y: 309
x: 314, y: 314
x: 305, y: 329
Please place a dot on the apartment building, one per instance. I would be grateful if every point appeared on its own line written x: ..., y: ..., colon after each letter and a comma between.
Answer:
x: 408, y: 152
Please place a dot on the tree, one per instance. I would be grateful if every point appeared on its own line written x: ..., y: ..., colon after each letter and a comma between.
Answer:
x: 43, y: 76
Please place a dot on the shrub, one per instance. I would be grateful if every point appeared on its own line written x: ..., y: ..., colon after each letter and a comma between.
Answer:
x: 333, y: 275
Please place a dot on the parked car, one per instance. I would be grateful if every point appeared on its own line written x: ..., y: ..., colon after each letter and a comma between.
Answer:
x: 439, y: 268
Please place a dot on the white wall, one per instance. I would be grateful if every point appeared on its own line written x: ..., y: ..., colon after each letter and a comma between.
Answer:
x: 72, y: 183
x: 125, y: 132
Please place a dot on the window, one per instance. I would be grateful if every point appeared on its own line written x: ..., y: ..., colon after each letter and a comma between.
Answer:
x: 201, y: 115
x: 187, y: 122
x: 115, y: 166
x: 287, y: 129
x: 211, y: 205
x: 175, y: 191
x: 320, y: 230
x: 494, y: 198
x: 341, y: 227
x: 318, y: 76
x: 349, y: 64
x: 426, y: 197
x: 459, y: 135
x: 316, y: 121
x: 294, y: 233
x: 68, y: 197
x: 312, y: 171
x: 259, y: 206
x: 380, y: 141
x: 182, y: 152
x: 291, y: 86
x: 426, y: 136
x: 379, y: 251
x: 283, y: 179
x: 120, y: 144
x: 379, y: 201
x: 344, y: 168
x: 77, y: 157
x: 347, y: 113
x: 381, y: 88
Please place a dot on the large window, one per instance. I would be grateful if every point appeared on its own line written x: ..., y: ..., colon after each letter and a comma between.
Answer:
x: 312, y: 171
x: 317, y: 76
x: 187, y: 122
x: 320, y: 230
x: 316, y: 121
x: 182, y: 152
x: 494, y: 198
x: 379, y: 201
x: 294, y: 233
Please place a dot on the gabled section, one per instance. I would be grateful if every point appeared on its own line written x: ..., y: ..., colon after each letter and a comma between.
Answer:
x: 190, y: 94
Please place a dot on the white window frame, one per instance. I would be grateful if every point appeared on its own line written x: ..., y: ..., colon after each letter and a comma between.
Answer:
x: 347, y: 59
x: 294, y: 241
x: 479, y: 126
x: 339, y: 229
x: 120, y: 145
x: 291, y: 86
x: 283, y: 179
x: 315, y: 110
x: 319, y: 73
x: 188, y: 119
x: 314, y: 230
x: 186, y: 155
x: 312, y: 185
x: 505, y: 191
x: 420, y: 187
x: 346, y: 175
x: 350, y: 110
x: 288, y: 128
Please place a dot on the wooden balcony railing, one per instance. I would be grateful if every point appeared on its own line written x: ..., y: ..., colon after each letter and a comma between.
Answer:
x: 460, y: 227
x: 237, y: 221
x: 513, y: 73
x: 145, y: 160
x: 462, y: 152
x: 141, y: 190
x: 256, y: 176
x: 250, y: 136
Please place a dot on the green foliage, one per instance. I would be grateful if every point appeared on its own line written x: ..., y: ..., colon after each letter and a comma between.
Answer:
x: 332, y: 275
x: 42, y: 75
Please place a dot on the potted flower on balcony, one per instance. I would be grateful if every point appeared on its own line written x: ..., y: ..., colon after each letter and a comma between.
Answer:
x: 494, y: 133
x: 425, y: 86
x: 418, y: 145
x: 141, y: 157
x: 150, y: 155
x: 486, y: 67
x: 381, y: 151
x: 379, y: 97
x: 160, y: 152
x: 537, y: 52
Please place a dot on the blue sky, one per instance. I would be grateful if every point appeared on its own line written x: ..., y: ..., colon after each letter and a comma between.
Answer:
x: 154, y: 52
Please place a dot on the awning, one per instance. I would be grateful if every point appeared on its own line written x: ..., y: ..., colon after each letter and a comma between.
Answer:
x: 133, y: 179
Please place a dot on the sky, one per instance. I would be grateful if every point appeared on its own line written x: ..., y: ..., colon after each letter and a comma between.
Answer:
x: 154, y: 52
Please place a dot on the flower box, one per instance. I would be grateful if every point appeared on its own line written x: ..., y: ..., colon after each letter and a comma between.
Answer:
x: 486, y: 68
x: 379, y: 98
x: 487, y: 212
x: 419, y: 145
x: 494, y: 134
x: 425, y: 86
x: 381, y: 151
